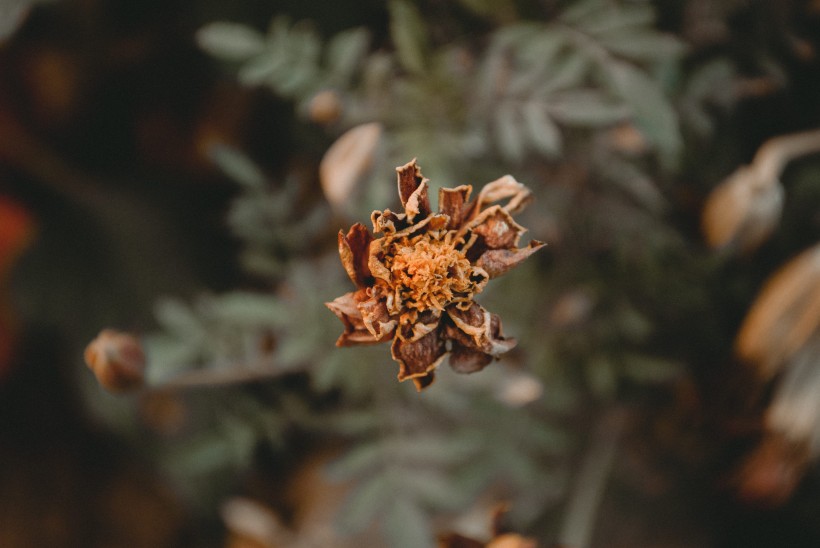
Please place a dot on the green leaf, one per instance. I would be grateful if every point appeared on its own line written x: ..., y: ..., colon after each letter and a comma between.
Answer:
x: 601, y: 376
x: 618, y: 17
x: 496, y: 10
x: 248, y: 309
x: 364, y: 504
x: 409, y: 36
x: 586, y: 108
x: 366, y: 457
x: 345, y: 53
x: 569, y: 71
x: 644, y: 45
x: 509, y: 137
x: 238, y: 167
x: 406, y: 525
x: 652, y: 111
x: 542, y: 130
x: 580, y: 10
x: 230, y: 41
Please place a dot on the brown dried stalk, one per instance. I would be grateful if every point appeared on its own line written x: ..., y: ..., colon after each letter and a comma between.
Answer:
x: 416, y: 284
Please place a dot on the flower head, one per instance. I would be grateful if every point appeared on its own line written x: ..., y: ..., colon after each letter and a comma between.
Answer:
x: 416, y: 284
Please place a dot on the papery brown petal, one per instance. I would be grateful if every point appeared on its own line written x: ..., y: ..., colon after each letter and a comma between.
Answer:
x: 499, y: 261
x: 453, y: 203
x: 424, y: 381
x: 354, y: 250
x: 388, y: 222
x: 374, y: 314
x: 418, y: 357
x: 413, y: 190
x: 431, y: 222
x: 374, y: 261
x: 501, y: 189
x: 347, y: 310
x: 478, y: 329
x: 497, y: 228
x: 468, y: 360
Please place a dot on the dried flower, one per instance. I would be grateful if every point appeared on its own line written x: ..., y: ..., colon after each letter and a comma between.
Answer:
x: 117, y: 360
x: 416, y: 284
x: 785, y: 315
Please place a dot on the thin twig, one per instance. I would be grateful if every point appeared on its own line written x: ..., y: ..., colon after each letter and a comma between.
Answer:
x: 579, y: 520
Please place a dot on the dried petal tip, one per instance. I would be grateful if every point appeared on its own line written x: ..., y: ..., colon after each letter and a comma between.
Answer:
x: 117, y: 360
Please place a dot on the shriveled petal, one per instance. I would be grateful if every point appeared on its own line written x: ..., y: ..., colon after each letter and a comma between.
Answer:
x: 375, y: 256
x: 388, y: 222
x: 497, y: 228
x: 478, y: 329
x: 468, y: 360
x: 501, y: 189
x: 417, y: 358
x: 424, y: 381
x: 354, y: 250
x: 347, y: 310
x: 413, y: 191
x: 499, y: 261
x: 375, y: 316
x: 453, y: 203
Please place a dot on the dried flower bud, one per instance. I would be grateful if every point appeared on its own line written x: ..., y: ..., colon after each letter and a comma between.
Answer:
x: 784, y: 316
x: 325, y: 107
x: 742, y: 211
x: 347, y: 160
x: 117, y: 360
x: 416, y: 283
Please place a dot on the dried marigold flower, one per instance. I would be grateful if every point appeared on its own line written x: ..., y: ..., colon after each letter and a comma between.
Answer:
x: 117, y: 360
x: 416, y: 284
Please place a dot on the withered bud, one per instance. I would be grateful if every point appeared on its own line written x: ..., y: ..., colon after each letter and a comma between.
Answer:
x: 347, y: 161
x: 325, y: 107
x: 784, y: 316
x: 117, y: 360
x: 742, y: 211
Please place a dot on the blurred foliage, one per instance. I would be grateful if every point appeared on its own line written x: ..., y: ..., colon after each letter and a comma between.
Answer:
x: 619, y: 115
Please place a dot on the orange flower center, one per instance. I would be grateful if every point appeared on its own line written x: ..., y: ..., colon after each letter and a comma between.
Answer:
x: 429, y: 273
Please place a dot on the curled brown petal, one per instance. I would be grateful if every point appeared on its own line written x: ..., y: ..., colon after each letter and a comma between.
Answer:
x: 468, y: 360
x: 375, y: 316
x: 477, y: 328
x: 497, y: 228
x: 413, y: 190
x: 424, y: 381
x: 387, y: 222
x: 499, y: 261
x: 354, y: 250
x: 347, y: 310
x: 501, y: 189
x: 418, y: 357
x: 453, y: 203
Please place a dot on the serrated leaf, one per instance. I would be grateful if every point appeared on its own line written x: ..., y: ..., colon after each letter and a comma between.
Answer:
x: 508, y: 133
x: 409, y: 36
x: 569, y: 71
x: 643, y: 46
x: 365, y: 457
x: 364, y: 504
x: 652, y: 111
x: 248, y: 309
x: 586, y: 108
x: 543, y: 132
x: 345, y: 53
x: 406, y: 525
x: 238, y: 167
x: 230, y: 41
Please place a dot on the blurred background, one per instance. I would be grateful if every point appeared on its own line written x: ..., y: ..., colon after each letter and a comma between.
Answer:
x: 179, y: 170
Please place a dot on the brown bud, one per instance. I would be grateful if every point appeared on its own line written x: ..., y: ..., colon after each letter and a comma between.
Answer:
x: 117, y: 360
x: 325, y: 107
